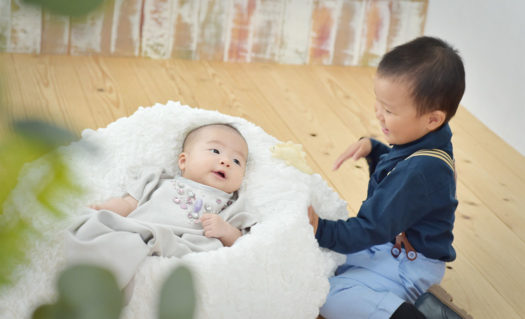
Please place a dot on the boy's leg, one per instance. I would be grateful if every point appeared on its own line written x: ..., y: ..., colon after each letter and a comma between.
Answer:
x: 372, y: 283
x: 352, y: 299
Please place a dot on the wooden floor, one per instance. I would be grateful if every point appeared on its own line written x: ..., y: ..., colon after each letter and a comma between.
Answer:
x: 323, y: 108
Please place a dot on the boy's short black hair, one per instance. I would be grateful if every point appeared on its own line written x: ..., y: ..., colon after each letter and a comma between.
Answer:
x: 433, y: 69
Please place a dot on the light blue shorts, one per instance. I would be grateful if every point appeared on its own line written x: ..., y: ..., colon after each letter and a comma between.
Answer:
x: 373, y: 284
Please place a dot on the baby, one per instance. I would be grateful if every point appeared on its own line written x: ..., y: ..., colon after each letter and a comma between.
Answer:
x: 170, y: 216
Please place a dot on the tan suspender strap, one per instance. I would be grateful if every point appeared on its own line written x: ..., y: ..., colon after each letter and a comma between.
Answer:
x: 437, y: 153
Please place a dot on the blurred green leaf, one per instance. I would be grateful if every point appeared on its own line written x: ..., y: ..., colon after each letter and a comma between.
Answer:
x: 85, y: 292
x: 49, y: 136
x: 68, y: 7
x: 177, y: 299
x: 29, y: 141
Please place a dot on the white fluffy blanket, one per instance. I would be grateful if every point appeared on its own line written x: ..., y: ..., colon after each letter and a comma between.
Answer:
x: 276, y: 271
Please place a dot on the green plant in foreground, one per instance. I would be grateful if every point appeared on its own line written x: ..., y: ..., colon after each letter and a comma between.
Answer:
x: 30, y: 140
x: 89, y: 292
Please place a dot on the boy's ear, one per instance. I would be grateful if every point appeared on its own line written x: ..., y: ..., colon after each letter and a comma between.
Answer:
x: 182, y: 161
x: 436, y: 119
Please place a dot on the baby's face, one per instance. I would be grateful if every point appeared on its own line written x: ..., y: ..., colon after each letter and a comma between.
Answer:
x: 215, y: 157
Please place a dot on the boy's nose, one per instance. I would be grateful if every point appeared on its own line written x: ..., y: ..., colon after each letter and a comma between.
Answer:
x: 379, y: 114
x: 223, y: 162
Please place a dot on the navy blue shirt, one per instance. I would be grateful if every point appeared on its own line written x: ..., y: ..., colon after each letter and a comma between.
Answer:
x: 416, y: 195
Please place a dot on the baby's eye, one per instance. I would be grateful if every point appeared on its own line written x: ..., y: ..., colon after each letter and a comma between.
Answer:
x: 236, y: 161
x: 214, y: 150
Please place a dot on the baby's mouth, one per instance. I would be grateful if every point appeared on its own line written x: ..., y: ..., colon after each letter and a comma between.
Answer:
x: 220, y: 174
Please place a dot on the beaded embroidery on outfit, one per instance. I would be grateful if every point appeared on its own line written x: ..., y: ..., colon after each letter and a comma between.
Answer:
x: 197, y: 199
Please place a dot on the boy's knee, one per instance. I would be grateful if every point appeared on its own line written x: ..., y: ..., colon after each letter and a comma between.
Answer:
x: 339, y: 303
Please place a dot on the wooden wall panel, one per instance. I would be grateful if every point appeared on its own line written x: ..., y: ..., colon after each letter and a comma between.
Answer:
x: 375, y: 28
x: 125, y: 31
x: 295, y: 37
x: 185, y: 29
x: 267, y: 27
x: 86, y: 34
x: 324, y: 27
x: 25, y: 28
x: 157, y: 33
x: 239, y: 37
x: 213, y: 21
x: 5, y: 24
x: 55, y: 34
x: 340, y: 32
x: 348, y: 33
x: 407, y: 21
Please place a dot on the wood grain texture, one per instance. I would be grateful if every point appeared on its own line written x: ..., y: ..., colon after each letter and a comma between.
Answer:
x: 324, y: 109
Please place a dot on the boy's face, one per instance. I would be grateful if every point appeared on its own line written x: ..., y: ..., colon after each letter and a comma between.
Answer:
x: 216, y: 157
x: 397, y: 113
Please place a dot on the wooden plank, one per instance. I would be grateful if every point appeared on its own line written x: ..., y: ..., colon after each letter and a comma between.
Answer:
x: 214, y: 18
x: 346, y: 46
x: 267, y: 27
x: 471, y: 291
x: 407, y: 21
x: 5, y: 24
x: 239, y: 38
x: 499, y: 189
x: 295, y: 37
x: 157, y: 29
x: 373, y: 42
x: 86, y: 34
x: 125, y: 31
x: 504, y: 153
x: 185, y: 29
x: 55, y: 33
x: 324, y: 28
x: 26, y: 28
x: 497, y: 253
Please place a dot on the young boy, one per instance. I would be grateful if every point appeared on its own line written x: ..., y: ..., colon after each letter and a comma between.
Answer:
x: 398, y: 243
x: 170, y: 216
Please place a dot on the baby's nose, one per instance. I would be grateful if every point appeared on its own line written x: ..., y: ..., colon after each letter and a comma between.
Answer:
x: 223, y: 162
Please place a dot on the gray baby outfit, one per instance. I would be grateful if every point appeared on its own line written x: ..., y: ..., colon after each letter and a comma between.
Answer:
x: 165, y: 223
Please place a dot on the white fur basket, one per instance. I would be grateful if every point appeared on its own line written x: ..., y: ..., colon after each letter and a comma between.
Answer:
x: 275, y: 271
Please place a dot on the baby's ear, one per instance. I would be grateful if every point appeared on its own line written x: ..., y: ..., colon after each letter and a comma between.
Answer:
x: 182, y: 161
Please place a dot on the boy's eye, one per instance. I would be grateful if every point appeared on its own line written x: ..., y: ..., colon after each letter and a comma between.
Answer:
x: 236, y: 161
x: 214, y: 150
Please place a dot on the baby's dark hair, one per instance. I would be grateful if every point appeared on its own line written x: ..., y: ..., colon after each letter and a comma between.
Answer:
x: 434, y: 71
x: 192, y: 132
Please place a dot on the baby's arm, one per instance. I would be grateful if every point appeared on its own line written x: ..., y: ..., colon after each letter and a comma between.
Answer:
x: 216, y: 227
x: 120, y: 205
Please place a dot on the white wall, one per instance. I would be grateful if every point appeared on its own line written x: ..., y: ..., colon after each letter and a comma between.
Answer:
x: 490, y: 36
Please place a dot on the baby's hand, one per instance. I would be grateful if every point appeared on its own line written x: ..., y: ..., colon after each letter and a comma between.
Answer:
x: 359, y: 149
x: 216, y: 227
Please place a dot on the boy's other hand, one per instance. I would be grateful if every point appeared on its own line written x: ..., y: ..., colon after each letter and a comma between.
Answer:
x: 357, y: 150
x: 313, y: 218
